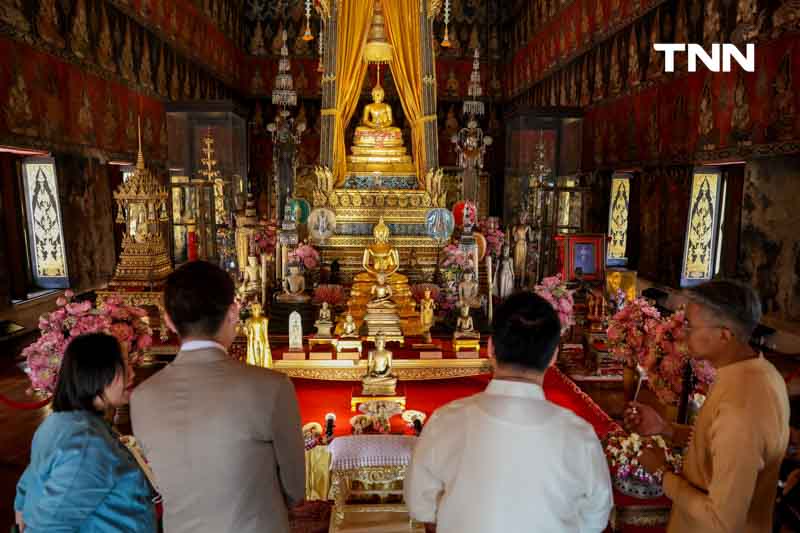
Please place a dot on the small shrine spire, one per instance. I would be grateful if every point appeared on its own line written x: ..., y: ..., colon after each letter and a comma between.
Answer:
x: 140, y: 156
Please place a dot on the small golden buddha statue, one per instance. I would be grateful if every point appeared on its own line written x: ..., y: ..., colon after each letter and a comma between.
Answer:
x: 258, y: 352
x: 379, y: 380
x: 426, y: 314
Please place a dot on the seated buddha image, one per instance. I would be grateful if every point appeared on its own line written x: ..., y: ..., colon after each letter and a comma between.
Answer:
x: 377, y: 122
x: 377, y: 142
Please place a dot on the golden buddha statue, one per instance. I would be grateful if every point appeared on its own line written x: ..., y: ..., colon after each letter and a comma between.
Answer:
x: 427, y: 307
x: 381, y: 286
x: 377, y: 143
x: 258, y: 352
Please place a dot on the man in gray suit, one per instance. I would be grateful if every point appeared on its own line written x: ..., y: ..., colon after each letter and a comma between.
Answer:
x: 223, y: 438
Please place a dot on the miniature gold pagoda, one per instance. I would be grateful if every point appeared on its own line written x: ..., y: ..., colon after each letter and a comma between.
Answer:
x: 141, y: 206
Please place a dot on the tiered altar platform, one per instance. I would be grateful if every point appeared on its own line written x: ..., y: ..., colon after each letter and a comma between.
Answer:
x: 406, y: 364
x: 358, y: 209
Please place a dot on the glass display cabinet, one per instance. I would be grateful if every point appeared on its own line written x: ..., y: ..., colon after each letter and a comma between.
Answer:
x: 194, y: 227
x: 207, y: 154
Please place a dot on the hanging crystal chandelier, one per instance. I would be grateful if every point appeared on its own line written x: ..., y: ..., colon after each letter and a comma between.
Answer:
x: 284, y: 94
x: 307, y: 36
x: 473, y: 106
x: 446, y: 40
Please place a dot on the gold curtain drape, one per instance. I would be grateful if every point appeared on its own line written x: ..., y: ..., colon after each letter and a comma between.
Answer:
x: 402, y: 23
x: 353, y: 24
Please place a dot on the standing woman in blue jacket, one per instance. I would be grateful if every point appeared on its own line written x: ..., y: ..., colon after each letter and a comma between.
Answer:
x: 81, y: 477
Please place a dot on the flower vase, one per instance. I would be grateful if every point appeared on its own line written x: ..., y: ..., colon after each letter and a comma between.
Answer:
x: 629, y: 382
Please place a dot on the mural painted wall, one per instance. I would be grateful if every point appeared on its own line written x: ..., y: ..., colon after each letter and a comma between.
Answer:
x: 770, y: 249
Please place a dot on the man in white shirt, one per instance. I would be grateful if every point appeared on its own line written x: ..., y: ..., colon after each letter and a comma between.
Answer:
x: 507, y: 460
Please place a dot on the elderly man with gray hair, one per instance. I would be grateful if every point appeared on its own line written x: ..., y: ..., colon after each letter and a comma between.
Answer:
x: 731, y: 466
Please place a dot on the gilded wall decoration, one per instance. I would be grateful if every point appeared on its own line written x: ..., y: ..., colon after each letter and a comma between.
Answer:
x: 618, y: 218
x: 704, y: 211
x: 44, y: 223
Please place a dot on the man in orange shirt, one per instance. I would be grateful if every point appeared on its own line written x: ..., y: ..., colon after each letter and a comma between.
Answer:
x: 732, y: 463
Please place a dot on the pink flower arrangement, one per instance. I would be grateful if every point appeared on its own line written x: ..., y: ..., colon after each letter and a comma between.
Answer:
x: 556, y: 293
x: 307, y: 255
x: 628, y: 331
x: 494, y: 238
x: 333, y: 294
x: 454, y: 257
x: 71, y: 319
x: 265, y: 238
x: 667, y: 356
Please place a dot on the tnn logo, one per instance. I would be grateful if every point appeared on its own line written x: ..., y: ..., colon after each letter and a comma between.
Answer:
x: 718, y: 61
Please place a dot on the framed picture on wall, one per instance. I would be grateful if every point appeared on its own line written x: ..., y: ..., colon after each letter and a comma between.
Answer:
x: 45, y: 231
x: 706, y: 214
x: 582, y: 253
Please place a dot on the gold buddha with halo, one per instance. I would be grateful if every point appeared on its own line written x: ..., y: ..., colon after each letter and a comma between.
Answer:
x: 377, y: 143
x: 381, y: 262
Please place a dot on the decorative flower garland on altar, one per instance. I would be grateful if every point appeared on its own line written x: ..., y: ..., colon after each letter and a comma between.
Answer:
x: 556, y: 293
x: 628, y: 331
x: 666, y: 358
x: 623, y: 453
x: 44, y: 356
x: 305, y: 254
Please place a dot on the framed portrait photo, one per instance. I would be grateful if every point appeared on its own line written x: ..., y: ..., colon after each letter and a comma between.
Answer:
x: 581, y: 253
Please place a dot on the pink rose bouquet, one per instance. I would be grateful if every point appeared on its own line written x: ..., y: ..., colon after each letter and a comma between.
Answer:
x: 454, y: 257
x: 70, y: 319
x: 628, y: 331
x: 494, y: 238
x: 556, y: 293
x: 667, y: 356
x: 307, y: 255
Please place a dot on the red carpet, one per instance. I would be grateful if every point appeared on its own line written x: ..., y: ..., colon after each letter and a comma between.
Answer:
x: 317, y: 398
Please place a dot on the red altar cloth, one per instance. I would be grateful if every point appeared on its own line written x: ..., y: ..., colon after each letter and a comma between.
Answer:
x: 318, y: 397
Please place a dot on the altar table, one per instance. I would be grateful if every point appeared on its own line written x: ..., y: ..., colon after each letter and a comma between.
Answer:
x: 318, y: 398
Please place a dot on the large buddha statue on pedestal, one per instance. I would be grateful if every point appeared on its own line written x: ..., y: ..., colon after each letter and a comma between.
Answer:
x: 381, y: 294
x: 377, y: 143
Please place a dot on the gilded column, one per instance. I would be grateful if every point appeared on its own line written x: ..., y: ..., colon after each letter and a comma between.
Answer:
x: 426, y: 13
x: 329, y: 87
